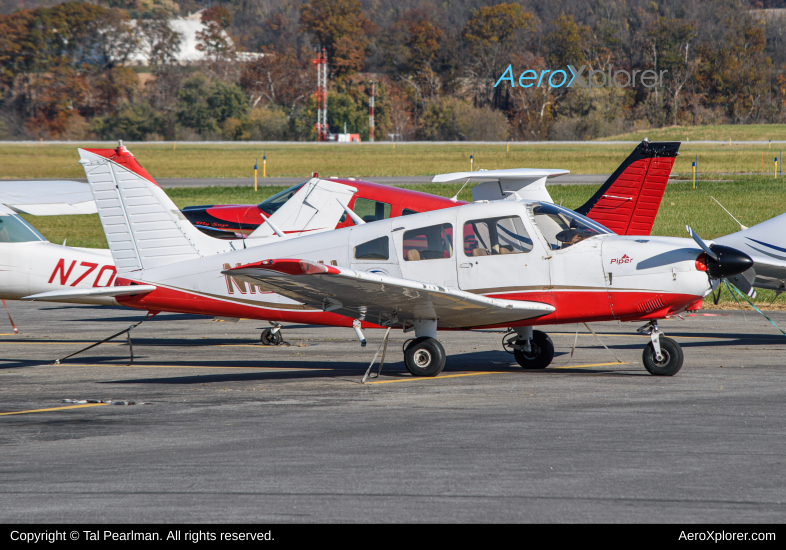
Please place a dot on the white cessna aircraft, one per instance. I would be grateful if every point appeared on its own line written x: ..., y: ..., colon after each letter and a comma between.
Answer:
x: 508, y: 263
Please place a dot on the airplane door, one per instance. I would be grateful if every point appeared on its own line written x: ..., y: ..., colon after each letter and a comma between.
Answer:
x: 372, y: 249
x: 499, y: 252
x: 426, y: 246
x: 574, y: 246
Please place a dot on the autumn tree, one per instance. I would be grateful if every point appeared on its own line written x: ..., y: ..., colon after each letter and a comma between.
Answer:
x: 284, y: 79
x: 160, y: 42
x: 342, y: 29
x: 213, y: 40
x: 491, y: 35
x: 412, y: 55
x: 672, y: 43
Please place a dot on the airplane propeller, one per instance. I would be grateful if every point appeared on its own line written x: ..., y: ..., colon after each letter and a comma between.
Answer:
x: 729, y: 264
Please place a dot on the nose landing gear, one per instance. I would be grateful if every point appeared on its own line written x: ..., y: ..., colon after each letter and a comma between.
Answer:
x: 271, y: 336
x: 532, y: 349
x: 662, y: 356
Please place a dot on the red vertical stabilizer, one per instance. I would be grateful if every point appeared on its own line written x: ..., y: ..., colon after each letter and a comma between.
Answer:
x: 629, y: 200
x: 123, y: 157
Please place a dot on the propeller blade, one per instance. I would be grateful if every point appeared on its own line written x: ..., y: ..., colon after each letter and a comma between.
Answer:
x: 702, y: 244
x: 744, y: 282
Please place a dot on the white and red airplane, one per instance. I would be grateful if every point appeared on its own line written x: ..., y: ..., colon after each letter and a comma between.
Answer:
x: 32, y: 266
x: 506, y: 263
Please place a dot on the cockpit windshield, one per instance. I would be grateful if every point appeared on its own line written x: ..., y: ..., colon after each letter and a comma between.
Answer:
x: 270, y: 205
x: 562, y: 227
x: 14, y: 229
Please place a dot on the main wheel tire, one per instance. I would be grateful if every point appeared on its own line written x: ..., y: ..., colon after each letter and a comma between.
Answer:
x: 541, y: 354
x: 672, y: 358
x: 270, y: 338
x: 424, y: 356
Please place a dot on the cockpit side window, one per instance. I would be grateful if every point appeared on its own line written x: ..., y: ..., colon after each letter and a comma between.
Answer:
x: 562, y: 227
x: 434, y: 242
x: 14, y: 229
x: 496, y: 236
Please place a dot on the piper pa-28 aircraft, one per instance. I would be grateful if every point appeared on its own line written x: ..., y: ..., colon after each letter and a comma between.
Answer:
x: 34, y: 267
x: 507, y: 263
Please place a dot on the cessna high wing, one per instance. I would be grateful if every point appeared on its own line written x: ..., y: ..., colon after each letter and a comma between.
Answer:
x: 507, y: 263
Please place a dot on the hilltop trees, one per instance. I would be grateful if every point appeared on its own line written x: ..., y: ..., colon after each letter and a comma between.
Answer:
x: 65, y: 71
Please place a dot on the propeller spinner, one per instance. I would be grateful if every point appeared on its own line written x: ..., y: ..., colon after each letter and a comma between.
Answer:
x: 724, y: 262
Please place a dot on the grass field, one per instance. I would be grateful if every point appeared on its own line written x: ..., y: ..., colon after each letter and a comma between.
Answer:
x: 717, y: 132
x: 751, y: 199
x: 369, y: 161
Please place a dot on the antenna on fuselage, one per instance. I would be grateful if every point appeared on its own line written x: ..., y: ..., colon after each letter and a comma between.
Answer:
x: 454, y: 198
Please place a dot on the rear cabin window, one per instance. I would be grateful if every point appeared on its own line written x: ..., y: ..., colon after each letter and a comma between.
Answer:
x: 496, y: 236
x: 14, y: 229
x: 408, y: 212
x: 428, y: 243
x: 371, y: 211
x: 378, y: 249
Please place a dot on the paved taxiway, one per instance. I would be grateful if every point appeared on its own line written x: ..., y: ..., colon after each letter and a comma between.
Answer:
x: 239, y: 432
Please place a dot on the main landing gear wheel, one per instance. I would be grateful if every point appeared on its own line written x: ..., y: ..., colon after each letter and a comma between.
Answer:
x: 671, y: 361
x: 270, y: 338
x: 541, y: 351
x: 424, y: 356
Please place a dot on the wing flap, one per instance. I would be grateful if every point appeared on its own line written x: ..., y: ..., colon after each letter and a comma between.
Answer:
x: 381, y: 299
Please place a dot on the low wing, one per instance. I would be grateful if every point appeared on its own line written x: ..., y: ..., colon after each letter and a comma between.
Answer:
x: 382, y: 300
x: 46, y: 198
x: 766, y: 245
x: 78, y: 293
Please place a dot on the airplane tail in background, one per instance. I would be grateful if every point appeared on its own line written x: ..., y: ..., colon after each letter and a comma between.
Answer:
x: 316, y: 207
x: 143, y: 226
x: 628, y: 201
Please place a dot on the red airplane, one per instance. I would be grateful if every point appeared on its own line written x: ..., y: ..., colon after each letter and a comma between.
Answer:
x: 626, y: 203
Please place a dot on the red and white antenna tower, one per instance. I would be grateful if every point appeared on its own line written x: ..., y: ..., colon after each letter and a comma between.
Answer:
x: 322, y: 95
x: 371, y: 112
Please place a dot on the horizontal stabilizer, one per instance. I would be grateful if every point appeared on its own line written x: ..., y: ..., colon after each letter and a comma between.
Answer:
x: 78, y: 293
x: 316, y: 207
x: 380, y: 299
x: 47, y: 198
x: 513, y: 183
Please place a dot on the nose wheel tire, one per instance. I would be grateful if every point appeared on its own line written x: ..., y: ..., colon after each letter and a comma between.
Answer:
x: 672, y: 358
x: 541, y: 352
x: 424, y: 356
x: 270, y: 338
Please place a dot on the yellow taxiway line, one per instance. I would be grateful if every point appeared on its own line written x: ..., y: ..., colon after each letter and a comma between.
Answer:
x: 425, y: 378
x: 179, y: 367
x: 56, y: 409
x: 592, y: 365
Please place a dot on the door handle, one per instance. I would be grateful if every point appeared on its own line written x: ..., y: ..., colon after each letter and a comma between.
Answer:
x: 465, y: 265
